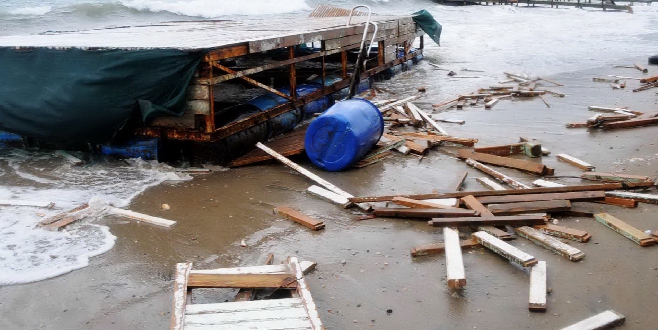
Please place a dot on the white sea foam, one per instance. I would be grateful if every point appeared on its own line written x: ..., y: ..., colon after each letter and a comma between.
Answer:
x: 31, y: 11
x: 29, y: 254
x: 217, y: 8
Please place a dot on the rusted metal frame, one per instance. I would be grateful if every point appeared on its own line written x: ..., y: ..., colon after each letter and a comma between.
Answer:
x: 260, y: 117
x: 210, y: 118
x: 293, y: 74
x: 254, y: 82
x: 228, y: 52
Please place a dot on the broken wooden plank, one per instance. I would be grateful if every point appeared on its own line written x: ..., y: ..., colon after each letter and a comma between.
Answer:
x: 649, y: 80
x: 420, y: 204
x: 613, y: 110
x: 641, y: 68
x: 473, y: 204
x: 436, y: 248
x: 528, y: 149
x: 623, y: 202
x: 441, y: 138
x: 615, y: 177
x: 625, y: 229
x: 522, y: 165
x: 326, y: 184
x: 564, y: 232
x: 141, y: 217
x: 637, y: 122
x: 286, y: 145
x: 299, y: 217
x: 505, y: 250
x: 646, y: 86
x: 605, y: 320
x: 12, y: 202
x: 544, y: 183
x: 422, y: 213
x: 575, y: 162
x: 577, y: 125
x: 70, y: 158
x: 512, y: 220
x: 413, y: 113
x: 416, y: 148
x: 180, y: 295
x: 456, y: 275
x: 459, y: 181
x: 499, y: 176
x: 575, y: 196
x: 537, y: 295
x: 249, y: 294
x: 550, y: 243
x: 329, y: 195
x: 644, y: 198
x: 547, y: 206
x: 64, y: 218
x: 490, y: 183
x: 255, y: 281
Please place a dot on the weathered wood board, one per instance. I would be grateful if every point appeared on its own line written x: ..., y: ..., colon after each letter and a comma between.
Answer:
x: 456, y: 275
x: 564, y: 232
x: 422, y: 213
x: 577, y: 196
x: 605, y: 320
x: 575, y: 162
x: 537, y: 295
x: 505, y: 250
x: 513, y: 220
x: 625, y: 229
x: 548, y: 206
x: 299, y: 217
x: 436, y: 248
x: 519, y: 164
x: 550, y: 243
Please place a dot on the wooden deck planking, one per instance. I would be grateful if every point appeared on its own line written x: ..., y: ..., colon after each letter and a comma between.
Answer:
x: 244, y: 306
x: 288, y: 145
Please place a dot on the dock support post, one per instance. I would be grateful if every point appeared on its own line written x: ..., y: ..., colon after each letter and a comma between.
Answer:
x: 380, y: 52
x: 343, y: 59
x: 293, y: 74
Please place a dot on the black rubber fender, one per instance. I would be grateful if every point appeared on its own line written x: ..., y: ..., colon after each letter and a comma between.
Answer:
x: 653, y: 60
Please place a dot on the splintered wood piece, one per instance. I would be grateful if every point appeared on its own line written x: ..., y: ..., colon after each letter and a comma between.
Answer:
x: 623, y: 202
x: 528, y: 149
x: 142, y: 217
x: 454, y: 262
x: 490, y: 183
x: 625, y: 229
x: 329, y: 195
x: 544, y: 183
x: 299, y: 217
x: 537, y: 296
x: 507, y: 251
x: 440, y: 138
x: 426, y: 117
x: 575, y: 162
x: 576, y: 196
x: 473, y: 204
x: 436, y: 248
x: 420, y: 204
x: 416, y: 119
x: 416, y: 148
x: 637, y: 122
x: 641, y: 68
x: 600, y: 176
x: 60, y: 220
x: 459, y: 181
x: 605, y: 320
x: 513, y: 220
x: 564, y: 232
x: 550, y: 243
x: 180, y: 295
x: 530, y: 207
x: 519, y: 164
x: 499, y: 176
x: 644, y: 198
x: 422, y: 213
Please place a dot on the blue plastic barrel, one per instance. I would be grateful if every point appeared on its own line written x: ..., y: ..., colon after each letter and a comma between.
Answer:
x: 343, y: 134
x: 146, y: 149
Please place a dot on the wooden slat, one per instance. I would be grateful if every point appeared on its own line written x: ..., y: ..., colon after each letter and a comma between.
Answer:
x: 436, y: 248
x: 456, y: 275
x: 625, y: 229
x: 422, y: 213
x: 490, y: 183
x: 291, y: 324
x: 249, y: 270
x: 600, y: 176
x: 228, y: 320
x: 459, y: 181
x: 550, y: 243
x: 505, y: 250
x: 577, y: 196
x: 605, y: 320
x: 243, y: 306
x: 473, y: 204
x: 499, y: 176
x: 564, y: 232
x: 299, y: 217
x: 523, y: 165
x: 420, y: 204
x: 256, y: 281
x: 575, y: 162
x: 142, y: 217
x: 249, y: 294
x: 644, y: 198
x: 530, y: 150
x: 537, y: 296
x: 637, y: 122
x: 287, y: 145
x: 514, y: 220
x: 530, y: 207
x: 329, y: 195
x: 305, y: 295
x: 63, y: 219
x: 623, y: 202
x: 180, y: 295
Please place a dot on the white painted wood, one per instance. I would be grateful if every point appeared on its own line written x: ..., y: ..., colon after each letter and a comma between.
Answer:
x: 244, y: 306
x: 415, y: 111
x: 551, y: 243
x: 399, y: 102
x: 454, y: 202
x: 429, y: 120
x: 600, y: 321
x: 575, y: 161
x: 70, y: 158
x: 547, y: 184
x: 454, y: 261
x: 491, y: 103
x: 537, y: 300
x: 307, y: 266
x: 142, y: 217
x: 329, y: 195
x: 305, y: 295
x: 400, y: 110
x: 180, y: 295
x: 498, y: 175
x: 229, y: 319
x: 647, y: 198
x: 508, y: 251
x: 256, y: 325
x: 11, y: 202
x: 250, y: 270
x: 491, y: 184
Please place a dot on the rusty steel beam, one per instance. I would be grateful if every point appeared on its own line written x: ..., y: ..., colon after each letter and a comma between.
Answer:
x: 253, y: 82
x: 228, y: 52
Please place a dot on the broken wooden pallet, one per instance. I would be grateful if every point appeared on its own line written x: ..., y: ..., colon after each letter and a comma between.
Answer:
x: 297, y: 312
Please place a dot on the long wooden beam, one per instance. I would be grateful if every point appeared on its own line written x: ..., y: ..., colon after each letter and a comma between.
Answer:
x: 423, y: 213
x: 454, y: 262
x: 505, y: 250
x: 557, y: 205
x: 254, y: 82
x: 514, y: 220
x: 577, y: 196
x: 518, y: 164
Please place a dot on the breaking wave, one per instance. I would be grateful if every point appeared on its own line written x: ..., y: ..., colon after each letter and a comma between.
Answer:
x: 218, y: 8
x: 31, y: 11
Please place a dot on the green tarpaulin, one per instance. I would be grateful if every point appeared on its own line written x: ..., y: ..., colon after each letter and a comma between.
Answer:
x: 427, y: 22
x: 86, y: 95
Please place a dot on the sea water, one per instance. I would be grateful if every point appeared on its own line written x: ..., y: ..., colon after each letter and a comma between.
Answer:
x: 492, y: 39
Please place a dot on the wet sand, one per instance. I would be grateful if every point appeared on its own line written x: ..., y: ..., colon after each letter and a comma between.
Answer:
x: 364, y: 267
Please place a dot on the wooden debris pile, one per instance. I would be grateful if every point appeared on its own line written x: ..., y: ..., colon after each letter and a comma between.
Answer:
x: 613, y: 118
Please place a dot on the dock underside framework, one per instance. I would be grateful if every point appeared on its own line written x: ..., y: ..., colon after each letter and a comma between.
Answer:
x: 394, y: 41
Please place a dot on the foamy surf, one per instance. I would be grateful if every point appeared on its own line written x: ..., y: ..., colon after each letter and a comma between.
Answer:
x: 29, y: 253
x: 31, y: 11
x: 219, y: 8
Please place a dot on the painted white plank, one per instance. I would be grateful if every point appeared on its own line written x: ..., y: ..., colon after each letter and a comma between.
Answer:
x: 498, y: 175
x: 243, y: 306
x: 605, y: 320
x: 180, y: 295
x: 454, y: 261
x: 546, y: 184
x: 551, y: 243
x: 305, y: 295
x: 307, y: 266
x: 142, y: 217
x: 576, y: 162
x: 508, y: 251
x: 265, y: 269
x: 454, y: 202
x: 265, y: 325
x: 429, y: 120
x: 491, y: 184
x: 645, y: 198
x: 329, y: 195
x: 537, y: 300
x: 227, y: 319
x: 11, y: 202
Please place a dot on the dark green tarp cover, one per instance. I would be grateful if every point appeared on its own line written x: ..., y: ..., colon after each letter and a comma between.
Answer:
x: 427, y: 22
x: 88, y: 95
